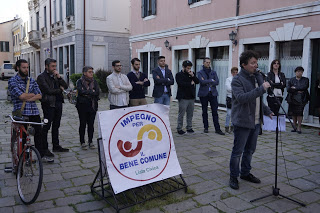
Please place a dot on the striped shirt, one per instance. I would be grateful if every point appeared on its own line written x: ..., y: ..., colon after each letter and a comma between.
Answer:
x: 17, y: 86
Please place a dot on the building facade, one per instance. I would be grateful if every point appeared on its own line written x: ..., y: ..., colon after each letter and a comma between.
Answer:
x: 78, y: 33
x: 6, y: 42
x: 285, y: 30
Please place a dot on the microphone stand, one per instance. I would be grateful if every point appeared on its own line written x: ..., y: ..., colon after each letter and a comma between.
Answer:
x: 275, y: 189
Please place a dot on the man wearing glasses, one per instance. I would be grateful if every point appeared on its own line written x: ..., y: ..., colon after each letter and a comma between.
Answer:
x: 119, y: 87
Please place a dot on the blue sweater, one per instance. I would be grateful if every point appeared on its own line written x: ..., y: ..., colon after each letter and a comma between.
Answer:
x: 137, y: 91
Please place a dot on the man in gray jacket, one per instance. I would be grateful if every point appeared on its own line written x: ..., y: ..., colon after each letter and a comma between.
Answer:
x: 248, y: 88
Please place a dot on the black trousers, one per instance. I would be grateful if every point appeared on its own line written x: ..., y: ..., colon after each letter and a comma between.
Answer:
x: 38, y: 133
x: 53, y: 114
x: 213, y: 100
x: 117, y: 107
x: 87, y: 116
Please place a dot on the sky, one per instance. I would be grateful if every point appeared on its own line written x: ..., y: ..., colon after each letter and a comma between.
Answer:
x: 10, y: 8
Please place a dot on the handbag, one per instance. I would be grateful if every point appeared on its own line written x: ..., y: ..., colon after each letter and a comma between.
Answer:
x: 18, y: 112
x: 289, y: 98
x: 228, y: 101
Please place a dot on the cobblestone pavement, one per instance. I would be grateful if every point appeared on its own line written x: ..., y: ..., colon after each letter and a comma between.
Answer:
x: 204, y: 158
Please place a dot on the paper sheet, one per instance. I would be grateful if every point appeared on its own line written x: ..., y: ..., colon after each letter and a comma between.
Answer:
x: 270, y: 125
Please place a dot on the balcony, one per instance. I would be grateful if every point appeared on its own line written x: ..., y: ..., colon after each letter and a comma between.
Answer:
x: 44, y: 32
x: 35, y: 3
x: 70, y: 22
x: 30, y: 5
x: 34, y: 38
x: 57, y: 28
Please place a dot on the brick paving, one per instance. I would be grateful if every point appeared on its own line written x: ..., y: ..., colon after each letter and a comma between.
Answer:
x: 204, y: 158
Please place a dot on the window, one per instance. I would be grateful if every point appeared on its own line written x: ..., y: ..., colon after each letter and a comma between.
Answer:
x: 69, y: 8
x: 197, y: 3
x: 60, y: 10
x: 4, y: 46
x: 54, y: 11
x: 37, y: 19
x: 148, y: 8
x: 60, y: 60
x: 45, y: 16
x: 193, y: 1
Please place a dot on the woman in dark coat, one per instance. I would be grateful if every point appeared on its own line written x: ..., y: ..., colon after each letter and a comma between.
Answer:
x: 277, y: 80
x: 299, y: 97
x: 87, y: 104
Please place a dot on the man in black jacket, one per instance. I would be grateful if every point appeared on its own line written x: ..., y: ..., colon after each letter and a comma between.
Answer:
x: 186, y: 81
x: 52, y: 85
x: 163, y: 79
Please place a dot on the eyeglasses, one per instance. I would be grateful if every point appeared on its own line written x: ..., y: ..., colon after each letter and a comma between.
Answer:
x: 118, y: 65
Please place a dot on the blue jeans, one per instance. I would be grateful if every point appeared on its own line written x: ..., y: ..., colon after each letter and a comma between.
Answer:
x: 228, y: 118
x: 245, y: 141
x: 164, y: 99
x: 213, y: 100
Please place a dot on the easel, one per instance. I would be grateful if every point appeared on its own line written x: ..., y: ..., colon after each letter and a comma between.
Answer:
x: 102, y: 187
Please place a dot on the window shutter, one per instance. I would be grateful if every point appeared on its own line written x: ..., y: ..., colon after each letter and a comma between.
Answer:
x: 154, y: 7
x: 190, y: 2
x: 72, y: 8
x: 67, y: 8
x: 142, y: 9
x: 1, y: 46
x: 7, y: 47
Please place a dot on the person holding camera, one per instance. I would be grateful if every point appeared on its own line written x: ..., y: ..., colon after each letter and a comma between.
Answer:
x: 186, y: 94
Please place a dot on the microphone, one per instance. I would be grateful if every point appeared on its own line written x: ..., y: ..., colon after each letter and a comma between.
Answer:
x: 259, y: 71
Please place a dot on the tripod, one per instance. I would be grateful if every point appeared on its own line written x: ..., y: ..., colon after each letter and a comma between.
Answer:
x: 275, y: 189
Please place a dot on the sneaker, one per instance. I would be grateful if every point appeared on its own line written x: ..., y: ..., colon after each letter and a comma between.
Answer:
x: 181, y: 132
x: 48, y: 153
x: 84, y: 146
x: 293, y: 130
x: 206, y: 131
x: 190, y: 131
x: 251, y: 178
x: 91, y: 146
x: 59, y: 149
x: 233, y: 183
x: 220, y: 132
x: 46, y: 159
x: 231, y: 129
x: 227, y: 129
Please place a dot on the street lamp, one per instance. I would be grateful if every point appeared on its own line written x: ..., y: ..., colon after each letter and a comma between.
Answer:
x: 167, y: 45
x: 232, y: 37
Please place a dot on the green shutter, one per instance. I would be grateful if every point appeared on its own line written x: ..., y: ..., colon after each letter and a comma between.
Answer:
x: 142, y: 9
x: 154, y: 7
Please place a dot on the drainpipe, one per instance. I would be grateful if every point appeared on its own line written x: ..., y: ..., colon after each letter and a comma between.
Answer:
x: 50, y: 55
x: 84, y: 32
x: 238, y: 6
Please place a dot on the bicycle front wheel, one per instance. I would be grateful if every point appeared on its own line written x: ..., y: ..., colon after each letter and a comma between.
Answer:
x: 29, y: 175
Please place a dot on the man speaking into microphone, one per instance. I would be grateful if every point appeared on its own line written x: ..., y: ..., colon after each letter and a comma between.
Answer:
x: 248, y: 88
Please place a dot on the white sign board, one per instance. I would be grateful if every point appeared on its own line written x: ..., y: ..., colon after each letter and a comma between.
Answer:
x: 138, y: 146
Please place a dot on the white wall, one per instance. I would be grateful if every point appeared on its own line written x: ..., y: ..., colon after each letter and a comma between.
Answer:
x: 108, y: 15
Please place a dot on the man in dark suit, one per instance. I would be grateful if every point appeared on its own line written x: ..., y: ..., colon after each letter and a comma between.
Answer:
x: 163, y: 79
x: 209, y: 93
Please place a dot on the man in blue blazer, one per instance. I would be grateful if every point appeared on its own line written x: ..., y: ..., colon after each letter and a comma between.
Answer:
x: 208, y: 93
x: 163, y: 79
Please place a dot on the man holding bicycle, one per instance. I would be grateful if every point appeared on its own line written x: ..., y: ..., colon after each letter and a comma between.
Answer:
x: 23, y: 100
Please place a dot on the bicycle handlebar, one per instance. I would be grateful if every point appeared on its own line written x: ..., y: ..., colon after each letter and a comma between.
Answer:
x: 25, y: 122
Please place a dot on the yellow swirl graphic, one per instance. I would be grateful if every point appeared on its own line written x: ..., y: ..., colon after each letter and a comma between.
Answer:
x: 152, y: 134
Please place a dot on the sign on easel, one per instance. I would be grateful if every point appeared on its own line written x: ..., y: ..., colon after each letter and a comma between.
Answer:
x: 138, y: 146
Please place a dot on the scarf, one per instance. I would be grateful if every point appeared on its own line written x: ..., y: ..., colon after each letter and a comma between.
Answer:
x: 207, y: 71
x: 88, y: 83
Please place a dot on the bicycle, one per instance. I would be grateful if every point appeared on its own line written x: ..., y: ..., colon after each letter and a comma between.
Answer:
x: 26, y: 159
